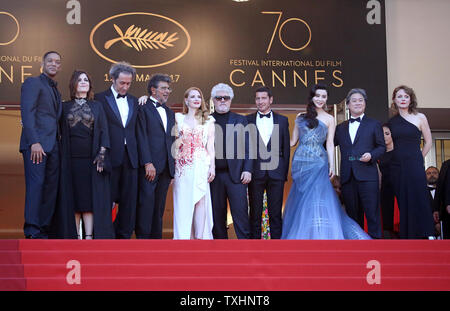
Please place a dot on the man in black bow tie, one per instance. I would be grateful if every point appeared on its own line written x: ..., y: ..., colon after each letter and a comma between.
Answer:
x: 361, y: 142
x: 432, y: 174
x: 121, y: 109
x: 156, y: 121
x: 270, y: 168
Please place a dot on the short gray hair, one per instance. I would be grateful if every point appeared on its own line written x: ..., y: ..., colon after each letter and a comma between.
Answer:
x: 356, y: 91
x: 118, y: 68
x: 222, y: 87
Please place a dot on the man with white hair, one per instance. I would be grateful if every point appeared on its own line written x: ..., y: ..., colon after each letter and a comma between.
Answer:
x: 233, y: 166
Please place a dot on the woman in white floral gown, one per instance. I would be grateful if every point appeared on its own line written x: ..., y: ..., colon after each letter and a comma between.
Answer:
x: 194, y: 169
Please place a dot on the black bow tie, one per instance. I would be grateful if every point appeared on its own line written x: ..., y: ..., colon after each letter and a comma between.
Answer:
x: 358, y: 119
x: 119, y: 96
x: 264, y: 115
x: 157, y: 105
x: 431, y: 188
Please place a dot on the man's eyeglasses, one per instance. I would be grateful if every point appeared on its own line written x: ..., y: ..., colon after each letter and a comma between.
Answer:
x: 219, y: 98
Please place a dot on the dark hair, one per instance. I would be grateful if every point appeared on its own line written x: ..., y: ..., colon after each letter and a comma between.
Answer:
x: 412, y: 105
x: 50, y: 52
x: 311, y: 112
x: 155, y: 79
x: 74, y: 83
x: 386, y: 125
x: 117, y: 68
x: 362, y: 92
x: 264, y: 89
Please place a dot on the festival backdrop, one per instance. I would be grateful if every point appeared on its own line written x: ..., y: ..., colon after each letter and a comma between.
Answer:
x: 285, y: 45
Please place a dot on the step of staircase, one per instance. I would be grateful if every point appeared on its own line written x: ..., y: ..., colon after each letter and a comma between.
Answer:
x: 223, y: 265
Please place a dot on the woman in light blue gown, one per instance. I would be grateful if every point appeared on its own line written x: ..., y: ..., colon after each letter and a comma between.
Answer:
x: 312, y: 209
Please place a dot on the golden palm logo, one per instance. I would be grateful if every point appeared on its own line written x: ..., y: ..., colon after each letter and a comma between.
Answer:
x: 166, y: 40
x: 138, y: 38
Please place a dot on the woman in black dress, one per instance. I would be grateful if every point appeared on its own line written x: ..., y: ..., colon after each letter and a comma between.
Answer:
x: 387, y: 197
x: 407, y: 167
x: 84, y: 187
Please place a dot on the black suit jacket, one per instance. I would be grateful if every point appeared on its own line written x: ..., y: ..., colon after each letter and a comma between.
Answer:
x: 442, y: 194
x: 156, y: 142
x: 117, y: 132
x: 40, y: 112
x: 369, y: 138
x: 283, y: 148
x: 239, y: 139
x: 433, y: 201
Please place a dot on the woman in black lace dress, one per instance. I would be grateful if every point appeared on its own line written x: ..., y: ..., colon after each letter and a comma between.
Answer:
x: 84, y: 187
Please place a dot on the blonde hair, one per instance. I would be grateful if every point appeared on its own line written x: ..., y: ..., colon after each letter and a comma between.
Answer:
x: 202, y: 113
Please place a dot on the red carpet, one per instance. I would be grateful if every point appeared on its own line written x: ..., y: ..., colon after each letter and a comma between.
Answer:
x: 248, y: 265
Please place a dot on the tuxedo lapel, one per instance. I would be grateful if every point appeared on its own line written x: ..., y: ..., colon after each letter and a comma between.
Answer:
x: 360, y: 129
x: 130, y: 110
x: 155, y: 112
x: 275, y: 121
x: 113, y: 105
x: 347, y: 133
x: 260, y: 142
x: 254, y: 118
x: 52, y: 94
x: 170, y: 122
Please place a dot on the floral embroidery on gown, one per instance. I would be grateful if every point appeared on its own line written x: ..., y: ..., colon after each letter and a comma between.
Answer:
x: 191, y: 187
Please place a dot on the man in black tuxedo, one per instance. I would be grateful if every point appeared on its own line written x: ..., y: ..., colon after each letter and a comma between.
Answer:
x: 40, y: 107
x: 270, y: 168
x: 233, y: 166
x: 156, y: 121
x: 121, y: 109
x: 361, y: 142
x: 432, y: 174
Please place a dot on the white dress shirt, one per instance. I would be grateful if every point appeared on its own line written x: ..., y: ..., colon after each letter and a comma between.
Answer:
x: 433, y: 192
x: 162, y: 113
x: 122, y: 105
x: 353, y: 128
x: 265, y: 127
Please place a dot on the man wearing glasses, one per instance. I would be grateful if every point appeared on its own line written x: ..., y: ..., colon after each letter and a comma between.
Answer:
x: 155, y: 125
x: 233, y: 166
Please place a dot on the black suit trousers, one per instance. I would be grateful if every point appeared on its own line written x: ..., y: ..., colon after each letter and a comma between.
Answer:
x: 152, y: 203
x: 222, y: 187
x: 124, y: 188
x: 362, y: 197
x: 41, y: 184
x: 274, y: 190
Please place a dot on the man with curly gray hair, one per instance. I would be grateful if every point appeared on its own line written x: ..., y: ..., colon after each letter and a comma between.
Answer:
x: 121, y: 109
